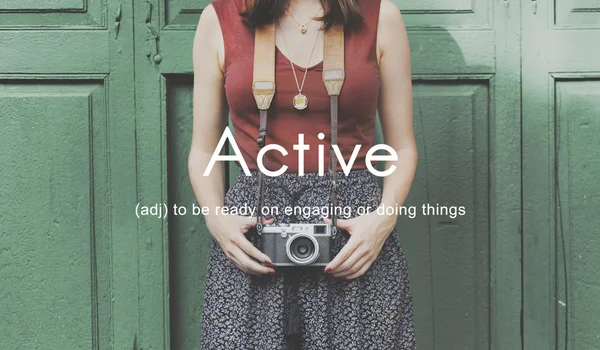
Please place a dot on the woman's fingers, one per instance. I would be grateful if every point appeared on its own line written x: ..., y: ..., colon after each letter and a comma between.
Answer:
x: 340, y: 223
x: 346, y: 251
x: 250, y: 221
x: 352, y: 264
x: 245, y: 249
x: 360, y: 271
x: 243, y: 261
x: 250, y: 249
x: 237, y: 248
x: 267, y: 221
x: 344, y: 254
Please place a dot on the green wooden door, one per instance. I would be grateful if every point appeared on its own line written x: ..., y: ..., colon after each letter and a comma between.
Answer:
x: 561, y: 202
x: 173, y: 252
x: 67, y: 179
x: 465, y: 270
x: 96, y: 115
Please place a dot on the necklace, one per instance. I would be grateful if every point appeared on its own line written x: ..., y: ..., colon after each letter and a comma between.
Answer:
x: 300, y: 101
x: 303, y: 27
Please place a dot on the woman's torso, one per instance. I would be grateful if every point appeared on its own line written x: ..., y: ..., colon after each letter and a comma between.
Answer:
x: 357, y: 102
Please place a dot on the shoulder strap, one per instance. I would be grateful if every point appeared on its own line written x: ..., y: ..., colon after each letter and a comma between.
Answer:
x: 333, y: 60
x: 263, y: 84
x: 263, y: 89
x: 333, y: 77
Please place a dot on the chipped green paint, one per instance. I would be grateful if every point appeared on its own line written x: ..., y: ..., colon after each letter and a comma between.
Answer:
x: 68, y: 247
x: 561, y: 100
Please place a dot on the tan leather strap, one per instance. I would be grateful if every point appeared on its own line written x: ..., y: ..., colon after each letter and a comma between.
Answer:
x: 263, y: 84
x: 333, y: 60
x: 333, y: 78
x: 263, y: 89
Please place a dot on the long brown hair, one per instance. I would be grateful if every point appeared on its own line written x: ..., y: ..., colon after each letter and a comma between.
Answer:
x: 346, y: 12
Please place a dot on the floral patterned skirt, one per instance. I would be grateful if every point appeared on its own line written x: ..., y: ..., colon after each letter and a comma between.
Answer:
x: 374, y: 311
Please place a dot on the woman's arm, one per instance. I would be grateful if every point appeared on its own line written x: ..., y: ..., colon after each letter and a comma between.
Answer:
x: 210, y: 110
x: 395, y: 105
x: 369, y: 232
x: 210, y: 117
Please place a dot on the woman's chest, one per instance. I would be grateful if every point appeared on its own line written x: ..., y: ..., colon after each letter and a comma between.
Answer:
x: 359, y: 95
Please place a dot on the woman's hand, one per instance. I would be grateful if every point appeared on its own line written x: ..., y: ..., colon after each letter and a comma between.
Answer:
x: 367, y: 234
x: 229, y: 231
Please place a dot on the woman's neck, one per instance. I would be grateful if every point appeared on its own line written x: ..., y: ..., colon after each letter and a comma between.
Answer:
x: 305, y: 2
x: 304, y: 5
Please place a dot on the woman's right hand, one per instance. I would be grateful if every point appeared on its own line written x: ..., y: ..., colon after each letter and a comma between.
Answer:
x: 230, y: 232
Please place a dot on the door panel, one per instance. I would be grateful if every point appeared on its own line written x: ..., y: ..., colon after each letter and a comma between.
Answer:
x: 81, y: 14
x: 456, y: 13
x: 189, y: 240
x: 577, y: 140
x: 173, y: 252
x: 577, y: 13
x: 464, y: 270
x: 33, y: 30
x: 448, y: 254
x: 184, y: 12
x: 50, y: 275
x: 561, y: 84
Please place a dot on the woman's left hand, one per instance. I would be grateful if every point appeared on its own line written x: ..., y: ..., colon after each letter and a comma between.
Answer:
x: 367, y: 234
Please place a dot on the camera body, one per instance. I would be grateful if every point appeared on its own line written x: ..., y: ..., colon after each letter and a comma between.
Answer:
x: 297, y: 244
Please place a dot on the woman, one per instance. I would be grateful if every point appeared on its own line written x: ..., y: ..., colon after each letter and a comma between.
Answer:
x: 362, y: 299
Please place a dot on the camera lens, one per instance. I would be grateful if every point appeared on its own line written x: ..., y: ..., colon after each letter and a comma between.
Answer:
x: 302, y: 249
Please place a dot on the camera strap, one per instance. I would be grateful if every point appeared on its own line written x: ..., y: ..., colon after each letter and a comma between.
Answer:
x: 263, y: 89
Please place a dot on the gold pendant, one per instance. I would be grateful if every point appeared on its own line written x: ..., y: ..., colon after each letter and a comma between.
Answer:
x: 300, y: 102
x: 302, y: 29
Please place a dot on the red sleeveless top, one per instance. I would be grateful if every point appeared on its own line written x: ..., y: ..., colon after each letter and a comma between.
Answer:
x: 357, y: 102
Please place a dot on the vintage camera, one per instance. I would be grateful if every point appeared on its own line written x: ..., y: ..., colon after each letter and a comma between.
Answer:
x: 297, y: 244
